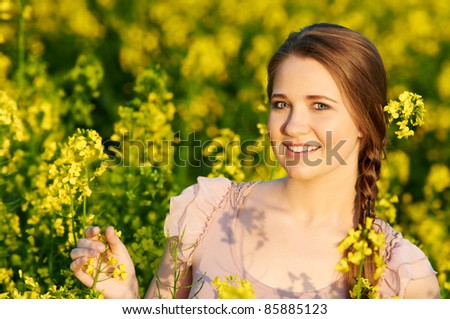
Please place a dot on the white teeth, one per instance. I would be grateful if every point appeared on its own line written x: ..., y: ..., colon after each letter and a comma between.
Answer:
x: 303, y: 148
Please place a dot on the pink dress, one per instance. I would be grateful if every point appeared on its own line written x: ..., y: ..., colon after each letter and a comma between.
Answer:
x: 204, y: 215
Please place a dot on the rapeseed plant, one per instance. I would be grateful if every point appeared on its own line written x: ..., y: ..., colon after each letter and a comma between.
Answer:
x: 225, y: 151
x: 71, y: 174
x: 11, y: 126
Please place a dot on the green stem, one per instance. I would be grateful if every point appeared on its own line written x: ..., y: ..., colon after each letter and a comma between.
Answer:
x: 50, y: 260
x: 86, y: 172
x: 72, y: 217
x: 175, y: 273
x: 99, y: 270
x: 358, y: 287
x: 361, y: 268
x: 20, y: 49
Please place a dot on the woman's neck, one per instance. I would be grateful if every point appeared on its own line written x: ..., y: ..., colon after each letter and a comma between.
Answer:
x: 325, y: 199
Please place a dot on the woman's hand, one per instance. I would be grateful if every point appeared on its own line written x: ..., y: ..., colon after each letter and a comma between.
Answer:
x: 91, y: 247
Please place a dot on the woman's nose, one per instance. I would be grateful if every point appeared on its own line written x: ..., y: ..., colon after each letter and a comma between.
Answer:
x: 297, y: 123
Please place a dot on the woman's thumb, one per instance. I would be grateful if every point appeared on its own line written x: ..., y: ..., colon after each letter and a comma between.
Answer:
x: 113, y: 239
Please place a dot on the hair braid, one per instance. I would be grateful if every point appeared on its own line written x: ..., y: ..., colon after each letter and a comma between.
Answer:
x: 366, y: 193
x: 366, y: 187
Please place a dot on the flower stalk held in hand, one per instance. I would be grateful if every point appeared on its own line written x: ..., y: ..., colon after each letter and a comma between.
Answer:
x: 104, y: 266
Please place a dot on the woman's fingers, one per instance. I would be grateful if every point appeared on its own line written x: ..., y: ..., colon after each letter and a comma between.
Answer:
x: 82, y: 252
x: 77, y: 264
x: 77, y: 268
x: 91, y: 244
x: 116, y: 245
x: 86, y: 248
x: 92, y: 232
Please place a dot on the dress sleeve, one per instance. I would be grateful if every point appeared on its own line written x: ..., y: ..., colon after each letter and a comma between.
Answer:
x: 404, y: 262
x: 191, y: 211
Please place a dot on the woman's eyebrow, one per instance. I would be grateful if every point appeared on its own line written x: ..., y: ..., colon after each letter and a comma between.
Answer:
x: 309, y: 97
x: 278, y: 95
x: 321, y: 97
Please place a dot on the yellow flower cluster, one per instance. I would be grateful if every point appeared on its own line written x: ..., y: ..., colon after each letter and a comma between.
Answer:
x: 407, y: 112
x: 6, y: 280
x: 226, y: 150
x: 234, y: 288
x: 120, y: 272
x: 87, y: 75
x: 9, y: 228
x: 438, y: 179
x: 76, y: 17
x: 145, y: 128
x: 385, y: 207
x: 359, y: 244
x: 70, y: 172
x: 366, y: 289
x: 11, y: 126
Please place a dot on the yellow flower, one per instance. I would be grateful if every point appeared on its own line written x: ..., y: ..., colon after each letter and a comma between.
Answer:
x: 58, y: 225
x: 343, y: 265
x: 359, y: 244
x: 262, y: 128
x: 380, y: 266
x: 112, y: 261
x: 5, y: 276
x: 367, y: 290
x: 89, y: 267
x: 120, y: 272
x: 29, y: 281
x: 407, y: 112
x: 234, y: 288
x: 376, y: 238
x: 352, y: 238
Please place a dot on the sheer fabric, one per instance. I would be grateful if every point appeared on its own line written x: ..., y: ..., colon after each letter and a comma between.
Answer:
x: 203, y: 215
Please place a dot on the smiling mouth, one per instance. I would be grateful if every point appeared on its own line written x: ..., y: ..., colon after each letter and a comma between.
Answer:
x: 302, y: 148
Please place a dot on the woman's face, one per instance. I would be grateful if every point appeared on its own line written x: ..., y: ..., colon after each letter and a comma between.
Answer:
x: 311, y: 130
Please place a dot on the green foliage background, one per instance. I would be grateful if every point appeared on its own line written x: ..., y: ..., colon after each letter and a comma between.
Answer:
x: 143, y: 70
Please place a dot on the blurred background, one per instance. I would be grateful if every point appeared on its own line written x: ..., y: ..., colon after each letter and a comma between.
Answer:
x: 174, y: 90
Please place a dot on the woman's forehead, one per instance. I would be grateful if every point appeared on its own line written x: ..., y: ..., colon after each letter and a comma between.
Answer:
x: 305, y: 76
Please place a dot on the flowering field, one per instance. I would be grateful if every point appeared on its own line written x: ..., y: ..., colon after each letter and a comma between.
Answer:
x: 108, y: 108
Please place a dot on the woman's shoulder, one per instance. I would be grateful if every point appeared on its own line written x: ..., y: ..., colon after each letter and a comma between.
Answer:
x: 199, y: 200
x: 398, y: 249
x: 404, y: 260
x: 209, y: 186
x: 193, y: 209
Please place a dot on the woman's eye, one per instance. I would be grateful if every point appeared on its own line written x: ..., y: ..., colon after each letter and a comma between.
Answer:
x: 280, y: 105
x: 320, y: 106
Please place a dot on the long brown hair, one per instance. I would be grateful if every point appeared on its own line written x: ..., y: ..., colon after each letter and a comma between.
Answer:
x: 357, y: 67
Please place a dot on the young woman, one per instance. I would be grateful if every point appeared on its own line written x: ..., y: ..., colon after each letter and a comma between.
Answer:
x: 327, y: 89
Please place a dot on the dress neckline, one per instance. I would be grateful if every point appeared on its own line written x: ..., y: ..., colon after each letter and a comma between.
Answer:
x: 241, y: 190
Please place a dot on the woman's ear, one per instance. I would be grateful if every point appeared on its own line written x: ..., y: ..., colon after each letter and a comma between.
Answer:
x: 360, y: 133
